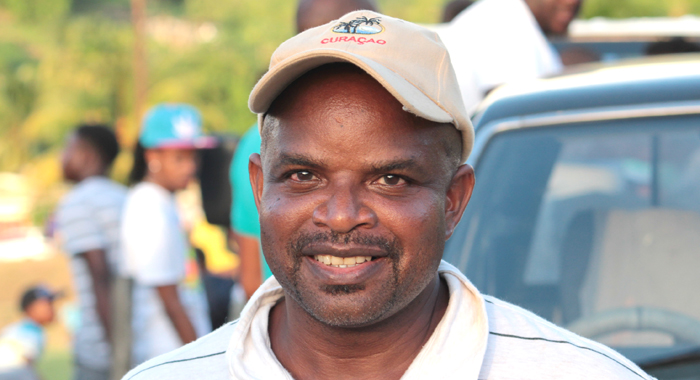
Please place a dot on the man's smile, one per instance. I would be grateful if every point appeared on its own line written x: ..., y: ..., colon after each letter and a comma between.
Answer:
x: 359, y: 270
x: 342, y: 262
x: 342, y: 256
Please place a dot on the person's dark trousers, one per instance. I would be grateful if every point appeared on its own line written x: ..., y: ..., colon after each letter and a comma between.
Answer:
x: 218, y: 290
x: 122, y: 288
x: 219, y: 297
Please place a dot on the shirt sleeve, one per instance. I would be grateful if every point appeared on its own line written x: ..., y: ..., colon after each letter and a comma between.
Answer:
x: 77, y: 230
x: 244, y: 213
x: 154, y: 245
x: 33, y: 343
x: 26, y: 342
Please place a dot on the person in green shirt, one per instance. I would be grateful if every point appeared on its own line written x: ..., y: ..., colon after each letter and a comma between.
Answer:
x: 244, y: 215
x: 245, y: 228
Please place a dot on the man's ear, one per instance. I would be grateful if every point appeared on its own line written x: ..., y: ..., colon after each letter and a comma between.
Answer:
x: 458, y: 195
x: 151, y: 154
x: 256, y: 177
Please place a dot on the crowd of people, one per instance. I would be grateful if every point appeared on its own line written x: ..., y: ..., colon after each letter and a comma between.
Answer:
x: 130, y: 255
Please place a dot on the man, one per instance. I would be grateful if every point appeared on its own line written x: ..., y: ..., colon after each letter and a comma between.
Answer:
x: 87, y: 224
x: 500, y: 41
x: 454, y: 8
x: 358, y: 186
x: 244, y: 214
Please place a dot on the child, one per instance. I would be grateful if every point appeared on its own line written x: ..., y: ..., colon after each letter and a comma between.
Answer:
x: 22, y: 343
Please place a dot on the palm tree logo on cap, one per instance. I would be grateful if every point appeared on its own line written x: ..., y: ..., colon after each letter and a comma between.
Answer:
x: 185, y: 127
x: 360, y: 25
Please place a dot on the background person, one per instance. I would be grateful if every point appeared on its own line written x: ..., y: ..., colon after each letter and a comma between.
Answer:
x: 167, y: 311
x: 244, y: 215
x: 501, y: 41
x: 87, y: 228
x: 454, y: 8
x: 22, y: 343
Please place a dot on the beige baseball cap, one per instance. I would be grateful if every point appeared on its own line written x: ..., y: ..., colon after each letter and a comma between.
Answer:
x: 409, y: 60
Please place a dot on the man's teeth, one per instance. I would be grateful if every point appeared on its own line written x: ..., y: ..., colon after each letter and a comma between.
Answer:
x: 342, y: 262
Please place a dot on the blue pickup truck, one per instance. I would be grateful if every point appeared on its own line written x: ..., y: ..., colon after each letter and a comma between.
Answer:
x: 587, y: 206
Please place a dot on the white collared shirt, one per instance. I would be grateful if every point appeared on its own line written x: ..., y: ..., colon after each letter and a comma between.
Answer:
x: 494, y: 42
x: 477, y: 338
x: 156, y: 250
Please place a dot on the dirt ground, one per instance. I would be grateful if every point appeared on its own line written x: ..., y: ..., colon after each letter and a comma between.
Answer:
x: 52, y: 271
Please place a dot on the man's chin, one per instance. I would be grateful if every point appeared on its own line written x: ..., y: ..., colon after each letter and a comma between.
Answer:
x: 346, y: 306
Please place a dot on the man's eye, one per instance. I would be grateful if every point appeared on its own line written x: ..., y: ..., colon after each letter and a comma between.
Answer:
x: 302, y: 176
x: 391, y: 180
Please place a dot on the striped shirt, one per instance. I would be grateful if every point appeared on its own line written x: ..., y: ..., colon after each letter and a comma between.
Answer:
x: 478, y: 338
x: 89, y: 218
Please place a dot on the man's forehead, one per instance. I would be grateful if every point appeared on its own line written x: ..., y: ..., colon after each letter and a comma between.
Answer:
x: 366, y: 150
x: 339, y: 111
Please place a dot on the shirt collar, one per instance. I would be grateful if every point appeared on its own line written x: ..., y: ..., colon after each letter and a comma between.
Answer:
x: 457, y: 346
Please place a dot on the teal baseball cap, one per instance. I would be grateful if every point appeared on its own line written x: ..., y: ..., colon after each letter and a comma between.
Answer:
x: 174, y: 126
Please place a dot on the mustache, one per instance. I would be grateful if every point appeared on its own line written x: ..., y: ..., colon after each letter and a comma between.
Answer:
x: 304, y: 240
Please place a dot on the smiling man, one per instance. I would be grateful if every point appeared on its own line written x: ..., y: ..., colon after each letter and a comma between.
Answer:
x: 358, y: 185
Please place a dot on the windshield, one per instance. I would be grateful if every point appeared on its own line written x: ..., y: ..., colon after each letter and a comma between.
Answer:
x: 595, y: 227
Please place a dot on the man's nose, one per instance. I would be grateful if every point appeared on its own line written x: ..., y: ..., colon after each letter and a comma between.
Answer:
x: 344, y: 211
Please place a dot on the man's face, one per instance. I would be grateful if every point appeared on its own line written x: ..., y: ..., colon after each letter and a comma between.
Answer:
x: 353, y: 203
x: 177, y: 167
x: 554, y: 16
x: 74, y: 158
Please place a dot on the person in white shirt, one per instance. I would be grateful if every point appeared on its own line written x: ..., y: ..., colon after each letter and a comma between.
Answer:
x: 167, y: 311
x: 494, y: 42
x: 358, y: 185
x: 87, y: 229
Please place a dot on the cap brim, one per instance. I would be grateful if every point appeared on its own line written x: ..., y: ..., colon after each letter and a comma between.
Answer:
x: 57, y: 295
x: 277, y: 80
x: 204, y: 142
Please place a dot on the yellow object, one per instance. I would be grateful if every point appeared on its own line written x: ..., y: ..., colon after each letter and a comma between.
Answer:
x: 212, y: 241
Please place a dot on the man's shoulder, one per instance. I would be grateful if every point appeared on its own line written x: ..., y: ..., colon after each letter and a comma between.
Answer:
x: 95, y: 191
x: 146, y: 196
x: 524, y: 344
x: 203, y: 359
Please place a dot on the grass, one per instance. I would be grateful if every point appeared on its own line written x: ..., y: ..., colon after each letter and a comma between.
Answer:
x: 56, y: 365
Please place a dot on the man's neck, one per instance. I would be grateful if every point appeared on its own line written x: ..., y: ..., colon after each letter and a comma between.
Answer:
x: 309, y: 349
x: 91, y: 174
x: 151, y: 179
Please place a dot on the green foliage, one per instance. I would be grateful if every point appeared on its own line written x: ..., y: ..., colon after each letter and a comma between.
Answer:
x: 63, y: 62
x: 38, y: 10
x: 420, y: 11
x: 624, y: 8
x: 639, y: 8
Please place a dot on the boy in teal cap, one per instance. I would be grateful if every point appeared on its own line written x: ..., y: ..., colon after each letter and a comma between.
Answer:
x: 169, y: 309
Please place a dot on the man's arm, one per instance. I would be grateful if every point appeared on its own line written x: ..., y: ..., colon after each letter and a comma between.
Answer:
x: 176, y: 312
x: 101, y: 281
x: 251, y: 265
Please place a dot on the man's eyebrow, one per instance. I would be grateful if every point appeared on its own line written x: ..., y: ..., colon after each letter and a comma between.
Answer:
x: 393, y: 165
x: 286, y: 159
